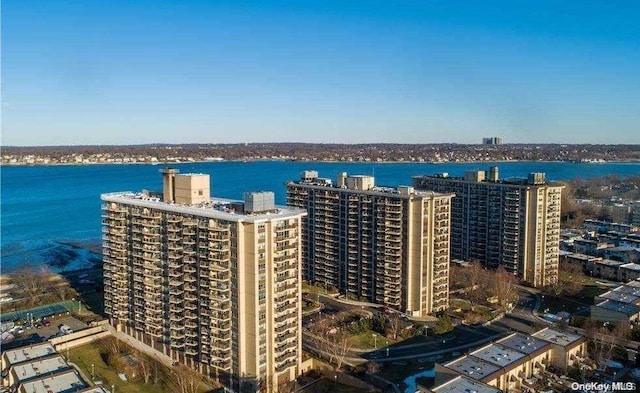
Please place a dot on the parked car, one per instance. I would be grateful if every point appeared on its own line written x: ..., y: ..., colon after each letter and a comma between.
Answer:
x: 46, y: 322
x: 65, y: 329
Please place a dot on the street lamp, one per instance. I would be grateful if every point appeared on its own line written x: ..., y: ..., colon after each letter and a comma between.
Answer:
x: 375, y: 340
x: 92, y: 371
x: 387, y: 348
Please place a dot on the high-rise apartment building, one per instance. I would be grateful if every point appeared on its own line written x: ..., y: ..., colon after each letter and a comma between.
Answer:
x: 492, y: 140
x: 513, y: 223
x: 213, y: 283
x: 385, y: 245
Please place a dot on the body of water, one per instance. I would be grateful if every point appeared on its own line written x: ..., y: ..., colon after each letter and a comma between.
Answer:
x: 50, y: 213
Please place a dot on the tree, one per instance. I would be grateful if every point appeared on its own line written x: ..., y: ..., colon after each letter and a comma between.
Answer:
x: 145, y: 366
x: 503, y: 287
x: 184, y: 379
x: 30, y: 282
x: 393, y: 325
x: 444, y: 324
x: 333, y: 344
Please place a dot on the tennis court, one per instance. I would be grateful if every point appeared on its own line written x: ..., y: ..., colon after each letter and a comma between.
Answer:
x: 34, y: 313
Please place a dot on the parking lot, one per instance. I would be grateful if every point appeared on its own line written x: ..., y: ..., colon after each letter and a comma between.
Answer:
x: 47, y: 332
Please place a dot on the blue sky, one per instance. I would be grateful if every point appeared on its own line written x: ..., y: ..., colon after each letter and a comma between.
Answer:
x: 121, y: 72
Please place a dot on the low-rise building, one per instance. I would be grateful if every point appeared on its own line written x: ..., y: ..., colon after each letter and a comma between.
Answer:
x: 605, y: 268
x: 585, y: 262
x: 567, y: 348
x: 65, y: 382
x: 606, y: 226
x: 537, y: 350
x: 624, y: 254
x: 26, y: 354
x: 471, y: 367
x: 623, y: 293
x: 628, y: 272
x: 614, y: 311
x: 632, y: 240
x: 590, y: 246
x: 459, y: 384
x: 26, y: 371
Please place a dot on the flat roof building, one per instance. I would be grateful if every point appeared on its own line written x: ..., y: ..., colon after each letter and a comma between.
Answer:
x: 65, y: 382
x: 388, y: 245
x: 567, y: 348
x: 613, y: 311
x: 509, y: 363
x: 524, y: 344
x: 475, y: 368
x: 25, y: 371
x: 460, y: 384
x: 26, y: 354
x: 212, y: 282
x: 514, y: 223
x: 498, y: 354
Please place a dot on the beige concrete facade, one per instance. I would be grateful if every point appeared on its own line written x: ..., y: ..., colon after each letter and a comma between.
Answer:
x: 514, y: 223
x: 210, y: 286
x: 508, y: 363
x: 384, y: 245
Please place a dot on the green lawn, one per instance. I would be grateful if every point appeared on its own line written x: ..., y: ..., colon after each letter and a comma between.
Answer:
x: 366, y: 340
x: 91, y: 354
x: 87, y: 355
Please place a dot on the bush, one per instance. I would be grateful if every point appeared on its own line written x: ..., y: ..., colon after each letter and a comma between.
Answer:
x: 443, y: 325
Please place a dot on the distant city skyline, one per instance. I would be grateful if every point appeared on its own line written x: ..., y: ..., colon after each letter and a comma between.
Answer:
x: 192, y: 71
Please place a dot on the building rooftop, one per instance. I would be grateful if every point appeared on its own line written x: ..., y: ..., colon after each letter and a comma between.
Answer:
x: 405, y: 192
x: 631, y: 266
x: 464, y: 384
x: 61, y: 383
x: 23, y: 354
x: 620, y: 295
x: 499, y: 355
x: 533, y: 179
x: 582, y: 257
x: 472, y: 367
x: 523, y: 343
x: 610, y: 262
x: 628, y: 289
x: 219, y: 208
x: 635, y: 283
x: 558, y: 336
x: 37, y: 367
x: 625, y: 308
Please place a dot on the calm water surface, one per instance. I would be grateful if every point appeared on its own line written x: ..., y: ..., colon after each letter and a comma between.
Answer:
x: 45, y: 207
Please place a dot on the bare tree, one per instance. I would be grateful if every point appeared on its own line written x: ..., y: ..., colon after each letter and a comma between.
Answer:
x: 30, y: 282
x: 184, y: 379
x: 504, y: 287
x: 145, y: 366
x: 394, y: 325
x: 333, y: 344
x: 601, y: 341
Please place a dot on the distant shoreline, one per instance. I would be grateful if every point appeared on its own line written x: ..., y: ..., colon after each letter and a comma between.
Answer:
x: 314, y: 161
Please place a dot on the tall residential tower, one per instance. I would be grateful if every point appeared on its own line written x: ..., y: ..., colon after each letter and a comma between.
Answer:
x: 213, y: 283
x: 512, y: 223
x: 385, y: 245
